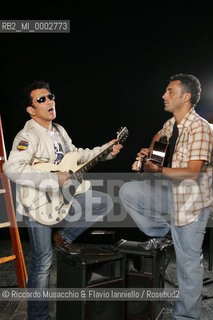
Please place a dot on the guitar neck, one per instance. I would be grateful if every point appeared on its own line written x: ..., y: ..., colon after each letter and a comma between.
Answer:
x: 87, y: 166
x: 121, y: 137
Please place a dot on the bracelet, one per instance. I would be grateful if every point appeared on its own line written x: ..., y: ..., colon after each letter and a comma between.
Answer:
x: 160, y: 169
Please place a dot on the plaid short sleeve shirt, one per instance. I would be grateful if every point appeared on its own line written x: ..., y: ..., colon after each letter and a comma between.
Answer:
x: 194, y: 142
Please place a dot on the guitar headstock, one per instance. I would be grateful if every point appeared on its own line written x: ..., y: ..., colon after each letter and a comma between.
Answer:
x: 122, y: 134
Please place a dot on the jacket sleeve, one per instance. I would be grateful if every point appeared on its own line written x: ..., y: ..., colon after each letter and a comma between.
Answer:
x: 18, y: 167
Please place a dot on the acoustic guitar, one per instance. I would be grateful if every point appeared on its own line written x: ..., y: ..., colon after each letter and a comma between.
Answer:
x: 157, y: 154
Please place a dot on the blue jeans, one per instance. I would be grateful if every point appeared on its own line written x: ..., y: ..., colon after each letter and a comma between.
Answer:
x: 151, y: 207
x: 42, y: 249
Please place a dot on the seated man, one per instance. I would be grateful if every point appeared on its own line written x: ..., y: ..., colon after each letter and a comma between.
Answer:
x: 182, y: 190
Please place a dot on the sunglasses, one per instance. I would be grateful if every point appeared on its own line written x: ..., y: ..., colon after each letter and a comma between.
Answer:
x: 42, y: 99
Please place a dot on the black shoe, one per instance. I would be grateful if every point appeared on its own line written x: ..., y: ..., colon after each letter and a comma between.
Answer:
x: 62, y: 244
x: 156, y: 243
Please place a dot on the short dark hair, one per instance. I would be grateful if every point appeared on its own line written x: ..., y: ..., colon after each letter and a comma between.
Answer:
x: 191, y: 84
x: 26, y: 94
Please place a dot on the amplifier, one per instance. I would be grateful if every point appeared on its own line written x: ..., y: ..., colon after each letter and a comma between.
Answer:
x: 144, y: 269
x: 97, y: 236
x: 90, y: 271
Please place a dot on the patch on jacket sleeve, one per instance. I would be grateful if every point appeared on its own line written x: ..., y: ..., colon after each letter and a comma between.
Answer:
x: 23, y: 145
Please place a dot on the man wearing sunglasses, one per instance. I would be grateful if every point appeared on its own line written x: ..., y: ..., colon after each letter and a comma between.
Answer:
x: 40, y: 141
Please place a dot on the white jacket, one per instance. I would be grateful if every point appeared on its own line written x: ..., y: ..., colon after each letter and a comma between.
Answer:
x: 39, y: 148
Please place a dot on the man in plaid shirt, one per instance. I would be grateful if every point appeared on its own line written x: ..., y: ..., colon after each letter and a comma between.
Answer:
x: 181, y: 188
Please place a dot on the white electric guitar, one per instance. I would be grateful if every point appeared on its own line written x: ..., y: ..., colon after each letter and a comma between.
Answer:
x: 50, y: 208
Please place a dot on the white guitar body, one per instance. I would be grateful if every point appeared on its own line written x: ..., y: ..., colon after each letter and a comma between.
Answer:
x: 51, y: 208
x: 69, y: 162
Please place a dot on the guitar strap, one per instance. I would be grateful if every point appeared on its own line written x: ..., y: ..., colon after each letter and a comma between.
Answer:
x: 171, y: 147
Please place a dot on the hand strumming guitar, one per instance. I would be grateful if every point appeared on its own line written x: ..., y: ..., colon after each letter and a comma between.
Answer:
x: 149, y: 166
x: 62, y: 177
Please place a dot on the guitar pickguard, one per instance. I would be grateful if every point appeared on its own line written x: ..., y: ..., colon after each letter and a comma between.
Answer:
x: 49, y: 208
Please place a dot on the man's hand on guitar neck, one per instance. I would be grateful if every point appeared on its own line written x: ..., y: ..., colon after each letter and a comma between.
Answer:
x: 116, y: 147
x: 143, y: 152
x: 148, y: 166
x: 141, y: 155
x: 142, y: 162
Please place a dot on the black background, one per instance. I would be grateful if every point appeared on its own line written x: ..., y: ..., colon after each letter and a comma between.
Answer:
x: 111, y: 70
